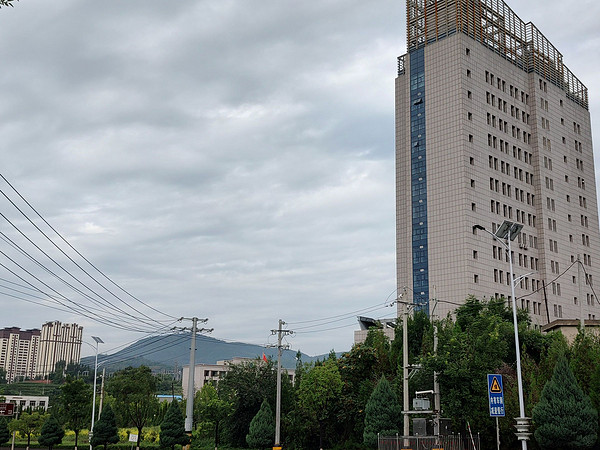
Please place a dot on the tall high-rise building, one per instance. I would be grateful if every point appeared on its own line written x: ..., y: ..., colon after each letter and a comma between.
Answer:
x: 18, y: 352
x: 491, y: 126
x: 58, y: 342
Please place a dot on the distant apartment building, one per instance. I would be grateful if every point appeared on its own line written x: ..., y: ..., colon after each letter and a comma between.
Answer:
x: 18, y: 352
x: 27, y: 354
x: 58, y: 342
x: 212, y: 373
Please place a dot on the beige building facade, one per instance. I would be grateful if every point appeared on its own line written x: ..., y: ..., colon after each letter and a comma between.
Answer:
x: 492, y: 126
x: 27, y: 354
x: 18, y: 352
x: 58, y: 342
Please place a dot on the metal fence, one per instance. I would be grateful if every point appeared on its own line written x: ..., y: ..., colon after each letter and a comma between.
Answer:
x: 450, y: 442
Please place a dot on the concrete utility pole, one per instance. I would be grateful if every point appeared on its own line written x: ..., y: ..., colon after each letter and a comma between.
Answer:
x: 98, y: 341
x: 280, y: 333
x: 101, y: 392
x: 405, y: 393
x: 189, y: 409
x: 401, y: 300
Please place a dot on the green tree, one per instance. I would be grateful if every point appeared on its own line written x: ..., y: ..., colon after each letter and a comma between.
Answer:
x: 358, y: 380
x: 172, y: 429
x: 319, y: 394
x: 247, y: 384
x: 59, y: 372
x: 29, y: 424
x: 262, y: 428
x: 564, y: 417
x: 585, y: 357
x: 381, y: 413
x: 75, y: 401
x: 381, y: 344
x: 480, y: 341
x: 105, y: 429
x: 212, y: 408
x: 134, y: 392
x: 52, y: 433
x: 82, y: 371
x: 4, y: 431
x: 2, y: 375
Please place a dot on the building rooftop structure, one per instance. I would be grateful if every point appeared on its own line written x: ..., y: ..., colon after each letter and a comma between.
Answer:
x: 495, y: 25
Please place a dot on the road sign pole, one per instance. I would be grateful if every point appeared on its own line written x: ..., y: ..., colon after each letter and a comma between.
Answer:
x: 497, y: 434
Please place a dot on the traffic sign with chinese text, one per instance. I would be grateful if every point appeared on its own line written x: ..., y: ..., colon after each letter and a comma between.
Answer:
x: 496, y: 395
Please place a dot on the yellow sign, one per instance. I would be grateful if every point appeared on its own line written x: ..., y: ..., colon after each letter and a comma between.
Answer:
x: 495, y: 388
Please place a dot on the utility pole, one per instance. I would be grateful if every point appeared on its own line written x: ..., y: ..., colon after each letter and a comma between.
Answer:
x: 189, y: 409
x: 101, y: 392
x: 401, y: 300
x: 405, y: 393
x: 280, y: 332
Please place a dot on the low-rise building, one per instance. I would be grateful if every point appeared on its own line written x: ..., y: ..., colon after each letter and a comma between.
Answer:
x: 387, y: 326
x: 212, y: 373
x: 570, y: 327
x: 23, y: 402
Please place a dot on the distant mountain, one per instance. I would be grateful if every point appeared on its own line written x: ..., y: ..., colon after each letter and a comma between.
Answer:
x: 173, y: 350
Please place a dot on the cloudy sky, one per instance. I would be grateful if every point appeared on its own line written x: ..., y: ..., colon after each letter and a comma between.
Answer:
x: 228, y: 159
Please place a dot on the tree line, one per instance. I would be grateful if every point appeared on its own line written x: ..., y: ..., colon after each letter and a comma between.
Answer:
x: 345, y: 401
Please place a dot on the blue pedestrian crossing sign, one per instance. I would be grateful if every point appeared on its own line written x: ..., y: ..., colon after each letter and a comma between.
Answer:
x: 496, y: 395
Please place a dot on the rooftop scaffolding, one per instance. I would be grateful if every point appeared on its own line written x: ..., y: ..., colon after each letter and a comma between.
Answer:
x: 494, y: 24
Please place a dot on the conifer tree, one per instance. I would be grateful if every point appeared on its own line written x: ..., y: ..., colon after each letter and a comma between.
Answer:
x: 105, y: 429
x: 4, y: 431
x: 564, y: 417
x: 172, y: 429
x: 52, y: 433
x: 262, y: 428
x: 381, y: 413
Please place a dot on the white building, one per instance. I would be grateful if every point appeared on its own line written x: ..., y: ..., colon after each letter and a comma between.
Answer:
x: 23, y: 402
x: 212, y: 373
x: 492, y: 126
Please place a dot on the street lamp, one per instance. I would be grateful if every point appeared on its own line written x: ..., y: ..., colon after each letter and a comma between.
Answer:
x: 98, y: 341
x: 507, y: 232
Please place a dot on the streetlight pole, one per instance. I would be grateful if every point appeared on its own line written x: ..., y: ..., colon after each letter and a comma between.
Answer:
x: 98, y: 341
x: 508, y: 231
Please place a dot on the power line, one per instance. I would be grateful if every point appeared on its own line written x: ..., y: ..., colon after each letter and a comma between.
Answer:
x: 47, y: 270
x: 78, y: 253
x: 105, y: 314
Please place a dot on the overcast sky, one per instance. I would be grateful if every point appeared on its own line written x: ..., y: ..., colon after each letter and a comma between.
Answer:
x: 230, y: 160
